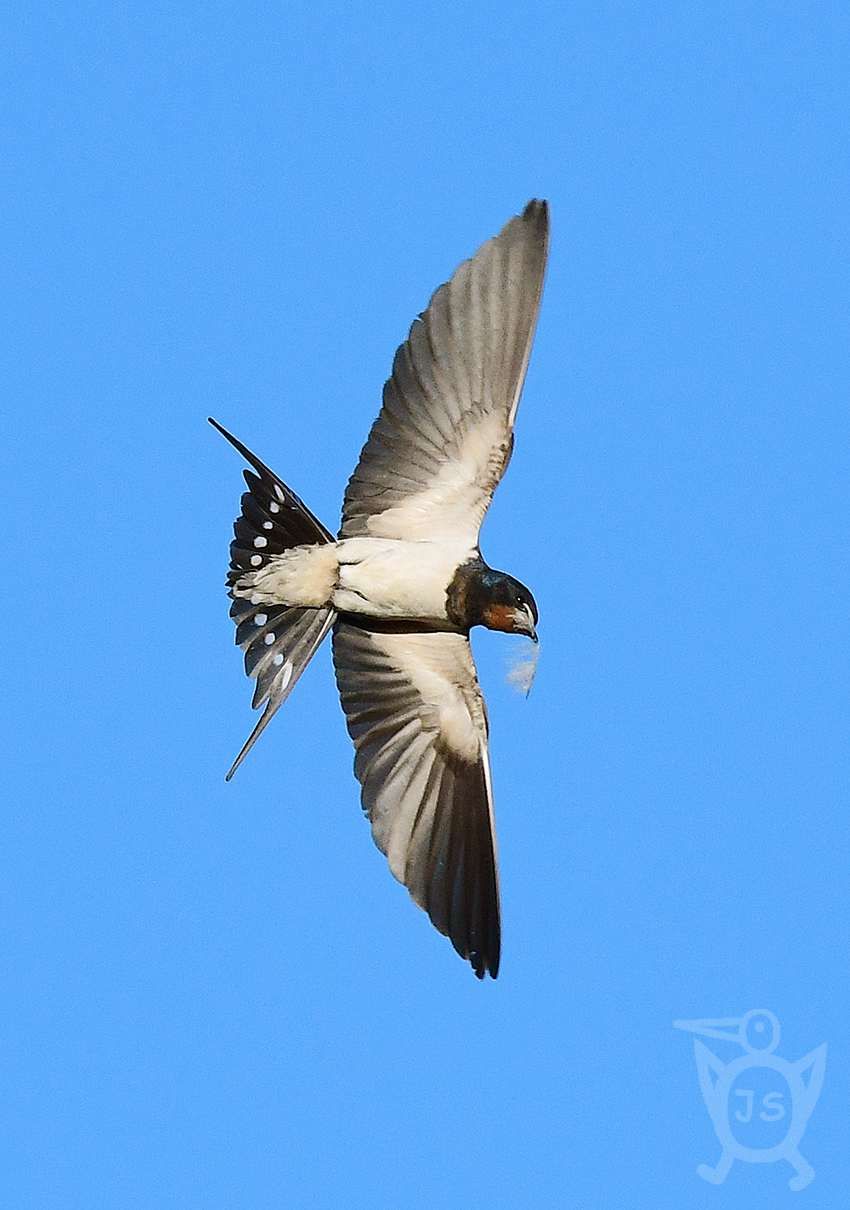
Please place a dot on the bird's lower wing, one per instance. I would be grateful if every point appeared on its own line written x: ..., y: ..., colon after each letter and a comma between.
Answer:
x: 418, y: 721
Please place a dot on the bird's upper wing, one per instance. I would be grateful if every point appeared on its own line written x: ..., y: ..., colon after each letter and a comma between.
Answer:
x: 443, y: 437
x: 419, y: 725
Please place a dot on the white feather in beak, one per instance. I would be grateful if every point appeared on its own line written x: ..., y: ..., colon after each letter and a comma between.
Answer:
x: 523, y: 665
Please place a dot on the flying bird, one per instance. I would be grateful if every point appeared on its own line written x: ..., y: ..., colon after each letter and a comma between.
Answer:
x: 404, y: 582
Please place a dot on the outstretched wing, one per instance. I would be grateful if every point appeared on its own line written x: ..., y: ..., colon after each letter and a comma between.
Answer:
x: 278, y: 640
x: 419, y: 725
x: 443, y: 437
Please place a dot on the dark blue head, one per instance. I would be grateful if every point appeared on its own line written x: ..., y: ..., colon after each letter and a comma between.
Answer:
x: 502, y: 603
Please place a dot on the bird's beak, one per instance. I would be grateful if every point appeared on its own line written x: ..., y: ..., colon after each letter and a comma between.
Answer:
x: 532, y: 631
x: 527, y: 623
x: 523, y: 623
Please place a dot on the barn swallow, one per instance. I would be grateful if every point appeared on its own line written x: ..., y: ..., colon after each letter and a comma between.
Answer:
x: 404, y: 583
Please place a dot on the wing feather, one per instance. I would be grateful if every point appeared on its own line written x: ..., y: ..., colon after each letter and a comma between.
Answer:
x: 443, y: 437
x: 419, y: 725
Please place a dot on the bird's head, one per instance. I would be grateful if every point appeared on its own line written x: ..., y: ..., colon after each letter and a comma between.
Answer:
x: 507, y: 605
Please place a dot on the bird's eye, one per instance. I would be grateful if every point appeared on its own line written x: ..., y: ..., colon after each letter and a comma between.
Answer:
x: 520, y: 601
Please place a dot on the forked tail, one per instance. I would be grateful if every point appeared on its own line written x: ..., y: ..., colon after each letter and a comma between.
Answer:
x: 278, y: 640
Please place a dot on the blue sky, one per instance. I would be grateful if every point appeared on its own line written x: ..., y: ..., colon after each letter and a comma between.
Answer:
x: 216, y: 996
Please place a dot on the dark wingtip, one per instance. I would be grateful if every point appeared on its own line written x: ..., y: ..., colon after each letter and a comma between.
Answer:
x: 537, y: 211
x: 485, y: 966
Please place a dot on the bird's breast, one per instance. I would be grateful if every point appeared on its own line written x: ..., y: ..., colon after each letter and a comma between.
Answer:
x: 385, y: 578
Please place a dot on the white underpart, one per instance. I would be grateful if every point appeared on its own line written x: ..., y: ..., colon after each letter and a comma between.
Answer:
x: 455, y: 501
x: 388, y: 579
x: 374, y: 576
x: 303, y: 576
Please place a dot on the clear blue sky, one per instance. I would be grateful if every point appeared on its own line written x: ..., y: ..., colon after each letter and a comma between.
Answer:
x: 216, y: 996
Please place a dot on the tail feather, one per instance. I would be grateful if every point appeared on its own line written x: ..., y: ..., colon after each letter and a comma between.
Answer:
x: 278, y: 640
x: 276, y: 653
